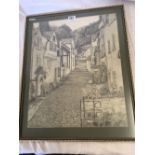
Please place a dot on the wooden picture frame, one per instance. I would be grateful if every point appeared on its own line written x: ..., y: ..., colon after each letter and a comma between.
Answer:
x: 76, y: 81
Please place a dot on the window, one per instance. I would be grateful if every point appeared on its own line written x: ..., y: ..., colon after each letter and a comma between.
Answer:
x: 54, y: 47
x: 49, y: 64
x: 38, y: 60
x: 59, y: 72
x: 107, y: 19
x: 51, y: 45
x: 114, y: 75
x: 99, y: 115
x: 109, y: 48
x: 54, y: 38
x: 56, y: 73
x: 113, y: 42
x: 119, y: 54
x: 103, y: 53
x: 114, y: 79
x: 109, y: 76
x: 58, y: 53
x: 38, y: 43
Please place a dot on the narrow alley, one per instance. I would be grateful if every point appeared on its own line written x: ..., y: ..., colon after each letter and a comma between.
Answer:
x: 61, y: 107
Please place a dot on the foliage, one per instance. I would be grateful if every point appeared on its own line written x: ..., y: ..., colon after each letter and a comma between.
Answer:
x: 64, y: 31
x: 44, y: 28
x: 81, y: 36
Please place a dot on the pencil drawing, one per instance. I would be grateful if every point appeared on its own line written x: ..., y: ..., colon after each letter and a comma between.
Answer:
x: 76, y: 76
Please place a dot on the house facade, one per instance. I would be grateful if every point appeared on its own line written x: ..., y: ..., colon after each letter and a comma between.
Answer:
x: 45, y: 64
x: 36, y: 74
x: 52, y: 60
x: 109, y: 51
x: 67, y: 53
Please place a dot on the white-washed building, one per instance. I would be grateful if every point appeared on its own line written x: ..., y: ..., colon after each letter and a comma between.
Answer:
x: 45, y: 63
x: 51, y: 63
x: 109, y: 53
x: 95, y: 55
x: 36, y: 74
x: 88, y: 56
x: 65, y: 60
x: 67, y: 53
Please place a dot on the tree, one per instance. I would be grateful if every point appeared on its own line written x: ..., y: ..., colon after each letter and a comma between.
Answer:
x: 44, y: 29
x: 64, y: 31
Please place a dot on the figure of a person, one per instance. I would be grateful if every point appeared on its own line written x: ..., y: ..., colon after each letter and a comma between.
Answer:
x: 42, y: 88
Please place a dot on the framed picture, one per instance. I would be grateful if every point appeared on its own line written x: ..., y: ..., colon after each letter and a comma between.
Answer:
x: 76, y: 81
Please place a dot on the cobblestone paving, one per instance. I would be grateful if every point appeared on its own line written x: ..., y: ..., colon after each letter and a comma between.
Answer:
x: 61, y: 108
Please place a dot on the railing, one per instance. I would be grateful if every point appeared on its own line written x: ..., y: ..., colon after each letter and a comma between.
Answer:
x: 89, y: 109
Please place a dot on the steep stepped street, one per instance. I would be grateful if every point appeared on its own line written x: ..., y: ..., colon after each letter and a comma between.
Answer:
x: 61, y: 108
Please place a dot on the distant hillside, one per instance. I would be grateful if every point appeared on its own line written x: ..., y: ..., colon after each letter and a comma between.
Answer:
x: 81, y: 36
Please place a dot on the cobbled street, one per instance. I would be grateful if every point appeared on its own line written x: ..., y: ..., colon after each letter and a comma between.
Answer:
x: 61, y: 107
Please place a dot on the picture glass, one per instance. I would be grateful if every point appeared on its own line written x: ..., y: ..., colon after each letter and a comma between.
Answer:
x: 76, y: 74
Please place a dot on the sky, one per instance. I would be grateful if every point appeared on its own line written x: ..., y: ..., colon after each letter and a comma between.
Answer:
x: 74, y: 23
